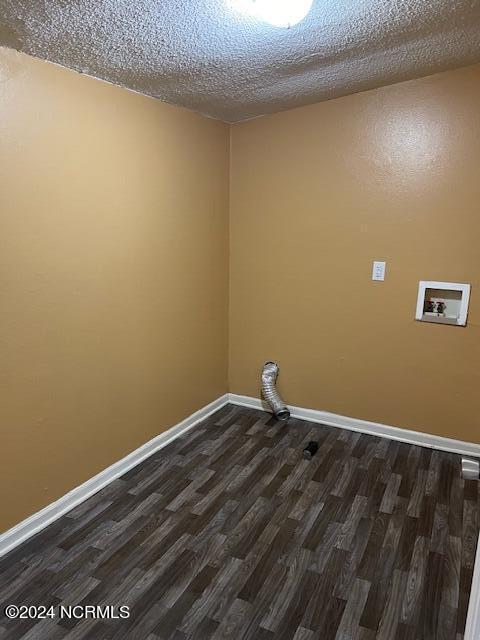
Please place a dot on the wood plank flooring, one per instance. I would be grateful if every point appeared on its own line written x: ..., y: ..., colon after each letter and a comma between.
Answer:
x: 229, y: 533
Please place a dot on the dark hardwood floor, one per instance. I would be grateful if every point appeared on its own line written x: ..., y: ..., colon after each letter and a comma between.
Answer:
x: 229, y: 533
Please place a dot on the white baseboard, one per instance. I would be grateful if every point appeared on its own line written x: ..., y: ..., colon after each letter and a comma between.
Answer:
x: 365, y: 426
x: 38, y: 521
x: 472, y: 627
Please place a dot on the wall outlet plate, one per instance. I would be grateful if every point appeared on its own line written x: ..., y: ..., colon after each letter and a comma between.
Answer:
x: 378, y: 270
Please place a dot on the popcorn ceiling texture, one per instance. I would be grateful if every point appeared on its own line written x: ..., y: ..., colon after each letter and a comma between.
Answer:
x: 207, y: 56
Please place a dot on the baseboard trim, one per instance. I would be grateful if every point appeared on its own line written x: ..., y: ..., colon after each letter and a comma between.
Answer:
x: 365, y: 426
x: 472, y: 626
x: 38, y: 521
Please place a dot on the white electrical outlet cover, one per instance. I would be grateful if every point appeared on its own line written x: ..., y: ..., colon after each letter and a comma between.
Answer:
x: 378, y: 271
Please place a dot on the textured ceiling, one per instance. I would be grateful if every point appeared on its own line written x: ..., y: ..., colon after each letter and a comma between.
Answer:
x: 207, y: 56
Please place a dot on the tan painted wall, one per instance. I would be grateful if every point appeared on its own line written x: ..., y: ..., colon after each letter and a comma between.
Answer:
x: 114, y: 264
x: 317, y: 194
x: 113, y: 275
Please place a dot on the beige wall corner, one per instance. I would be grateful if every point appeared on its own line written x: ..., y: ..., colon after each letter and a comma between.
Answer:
x: 113, y: 275
x: 317, y: 194
x: 114, y: 264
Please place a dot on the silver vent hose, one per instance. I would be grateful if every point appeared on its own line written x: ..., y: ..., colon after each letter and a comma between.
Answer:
x: 270, y: 393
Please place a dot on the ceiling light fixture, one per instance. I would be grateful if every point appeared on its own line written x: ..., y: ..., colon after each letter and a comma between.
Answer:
x: 278, y: 13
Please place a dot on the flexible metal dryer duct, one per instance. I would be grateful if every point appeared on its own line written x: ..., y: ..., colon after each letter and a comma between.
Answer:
x: 270, y: 393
